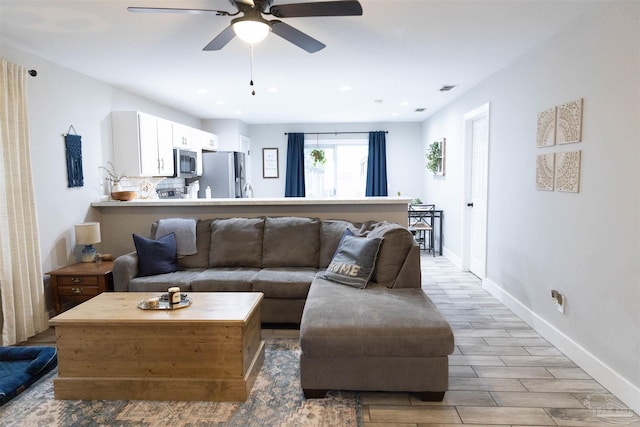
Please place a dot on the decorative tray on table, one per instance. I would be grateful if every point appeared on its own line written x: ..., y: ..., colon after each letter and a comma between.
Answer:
x: 162, y: 303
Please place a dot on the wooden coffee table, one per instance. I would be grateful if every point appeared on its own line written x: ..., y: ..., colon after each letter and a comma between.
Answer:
x: 109, y: 349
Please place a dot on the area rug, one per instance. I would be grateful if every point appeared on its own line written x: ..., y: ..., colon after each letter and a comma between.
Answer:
x: 275, y: 400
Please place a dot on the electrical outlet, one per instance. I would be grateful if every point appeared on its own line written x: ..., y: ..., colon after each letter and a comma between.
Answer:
x: 559, y: 300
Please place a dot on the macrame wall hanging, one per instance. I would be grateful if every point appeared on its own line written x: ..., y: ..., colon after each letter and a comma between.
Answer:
x: 73, y: 144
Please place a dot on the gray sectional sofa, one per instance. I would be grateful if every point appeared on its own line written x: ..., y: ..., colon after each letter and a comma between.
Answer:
x: 387, y: 336
x: 278, y: 256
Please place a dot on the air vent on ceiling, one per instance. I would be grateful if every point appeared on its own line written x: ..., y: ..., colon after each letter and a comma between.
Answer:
x: 447, y: 88
x: 420, y: 110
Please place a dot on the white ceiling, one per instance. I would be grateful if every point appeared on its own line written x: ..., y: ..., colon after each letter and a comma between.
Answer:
x: 399, y: 53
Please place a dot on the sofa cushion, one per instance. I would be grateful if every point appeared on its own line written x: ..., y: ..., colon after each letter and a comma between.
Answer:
x: 331, y: 231
x: 156, y: 256
x: 396, y: 243
x: 354, y: 261
x: 339, y: 321
x: 224, y: 279
x: 286, y: 283
x: 291, y: 242
x: 236, y: 242
x: 162, y: 282
x: 203, y: 242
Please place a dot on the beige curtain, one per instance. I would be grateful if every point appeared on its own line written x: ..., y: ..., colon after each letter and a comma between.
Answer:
x: 21, y: 284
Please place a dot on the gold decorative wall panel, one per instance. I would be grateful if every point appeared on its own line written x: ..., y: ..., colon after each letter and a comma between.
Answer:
x: 545, y: 172
x: 569, y: 122
x: 567, y: 175
x: 546, y: 128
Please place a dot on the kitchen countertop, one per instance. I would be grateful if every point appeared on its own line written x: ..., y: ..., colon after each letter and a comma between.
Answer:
x: 251, y: 202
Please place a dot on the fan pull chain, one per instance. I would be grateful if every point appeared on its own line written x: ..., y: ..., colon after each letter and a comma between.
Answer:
x: 253, y: 92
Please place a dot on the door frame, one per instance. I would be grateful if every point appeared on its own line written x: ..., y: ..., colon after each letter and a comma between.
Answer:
x: 467, y: 119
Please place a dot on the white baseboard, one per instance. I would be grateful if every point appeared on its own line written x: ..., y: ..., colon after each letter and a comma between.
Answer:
x: 454, y: 258
x: 622, y: 388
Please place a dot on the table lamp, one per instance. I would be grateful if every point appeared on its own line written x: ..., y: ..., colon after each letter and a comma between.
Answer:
x: 88, y: 234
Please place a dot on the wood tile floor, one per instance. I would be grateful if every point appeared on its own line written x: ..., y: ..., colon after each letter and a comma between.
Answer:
x: 502, y: 372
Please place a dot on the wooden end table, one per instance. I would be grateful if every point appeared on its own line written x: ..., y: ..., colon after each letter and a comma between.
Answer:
x: 80, y: 282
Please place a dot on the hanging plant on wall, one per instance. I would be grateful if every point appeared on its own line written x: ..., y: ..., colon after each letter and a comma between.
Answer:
x: 435, y: 157
x: 318, y: 157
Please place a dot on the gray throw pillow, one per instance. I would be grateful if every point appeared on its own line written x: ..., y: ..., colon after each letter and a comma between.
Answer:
x: 354, y: 261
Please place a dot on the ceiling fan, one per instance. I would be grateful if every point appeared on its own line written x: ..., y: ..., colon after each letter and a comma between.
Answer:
x: 252, y: 27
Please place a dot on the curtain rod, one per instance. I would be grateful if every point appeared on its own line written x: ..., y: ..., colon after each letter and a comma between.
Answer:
x: 328, y: 133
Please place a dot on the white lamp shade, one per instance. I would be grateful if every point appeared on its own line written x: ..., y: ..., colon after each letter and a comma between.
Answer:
x: 251, y: 31
x: 88, y: 233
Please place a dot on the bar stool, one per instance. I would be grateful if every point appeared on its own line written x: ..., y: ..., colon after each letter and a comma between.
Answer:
x: 421, y: 225
x: 422, y: 232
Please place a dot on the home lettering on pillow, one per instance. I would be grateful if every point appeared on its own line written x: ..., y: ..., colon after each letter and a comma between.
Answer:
x: 354, y: 261
x: 344, y: 268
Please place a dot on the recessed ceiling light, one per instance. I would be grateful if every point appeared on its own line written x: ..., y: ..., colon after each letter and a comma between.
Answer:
x: 345, y: 88
x: 272, y: 89
x: 238, y: 112
x: 404, y: 103
x: 395, y: 114
x: 201, y: 91
x: 220, y: 102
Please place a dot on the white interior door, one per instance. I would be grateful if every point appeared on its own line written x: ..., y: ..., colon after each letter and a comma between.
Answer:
x: 477, y: 146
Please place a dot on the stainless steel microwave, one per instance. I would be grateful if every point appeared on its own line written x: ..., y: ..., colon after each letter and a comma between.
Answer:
x: 185, y: 162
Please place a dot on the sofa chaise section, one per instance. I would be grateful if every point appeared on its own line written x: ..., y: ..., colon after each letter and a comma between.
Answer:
x: 375, y: 339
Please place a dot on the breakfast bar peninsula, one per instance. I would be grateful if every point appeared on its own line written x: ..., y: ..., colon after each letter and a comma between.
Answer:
x: 120, y: 219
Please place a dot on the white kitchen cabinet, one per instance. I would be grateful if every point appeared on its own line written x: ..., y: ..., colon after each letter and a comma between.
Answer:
x: 182, y: 136
x: 165, y: 147
x: 205, y: 140
x: 142, y: 144
x: 234, y: 142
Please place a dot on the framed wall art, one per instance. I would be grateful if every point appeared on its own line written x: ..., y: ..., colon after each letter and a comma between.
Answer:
x: 270, y: 163
x: 436, y: 157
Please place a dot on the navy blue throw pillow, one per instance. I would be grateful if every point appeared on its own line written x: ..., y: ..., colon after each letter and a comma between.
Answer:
x: 156, y: 256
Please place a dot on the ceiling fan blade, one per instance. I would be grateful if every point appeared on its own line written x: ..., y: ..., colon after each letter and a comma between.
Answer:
x: 221, y: 39
x: 326, y: 8
x: 296, y: 37
x: 177, y: 10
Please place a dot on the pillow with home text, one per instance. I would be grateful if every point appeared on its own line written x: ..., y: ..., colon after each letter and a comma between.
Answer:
x: 354, y: 261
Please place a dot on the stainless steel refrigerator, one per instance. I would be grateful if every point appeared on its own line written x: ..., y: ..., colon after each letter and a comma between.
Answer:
x: 224, y: 173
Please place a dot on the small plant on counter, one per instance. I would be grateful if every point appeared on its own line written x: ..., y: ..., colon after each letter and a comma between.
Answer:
x: 416, y: 201
x: 114, y: 177
x: 318, y: 157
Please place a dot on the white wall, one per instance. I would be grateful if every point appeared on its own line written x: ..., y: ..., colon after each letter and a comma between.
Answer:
x: 585, y: 245
x: 405, y: 155
x: 58, y: 98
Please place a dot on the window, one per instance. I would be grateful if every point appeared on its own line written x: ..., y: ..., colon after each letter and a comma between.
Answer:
x: 336, y: 168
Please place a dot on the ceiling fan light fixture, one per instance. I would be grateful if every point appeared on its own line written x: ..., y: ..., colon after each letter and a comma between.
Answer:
x: 251, y: 32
